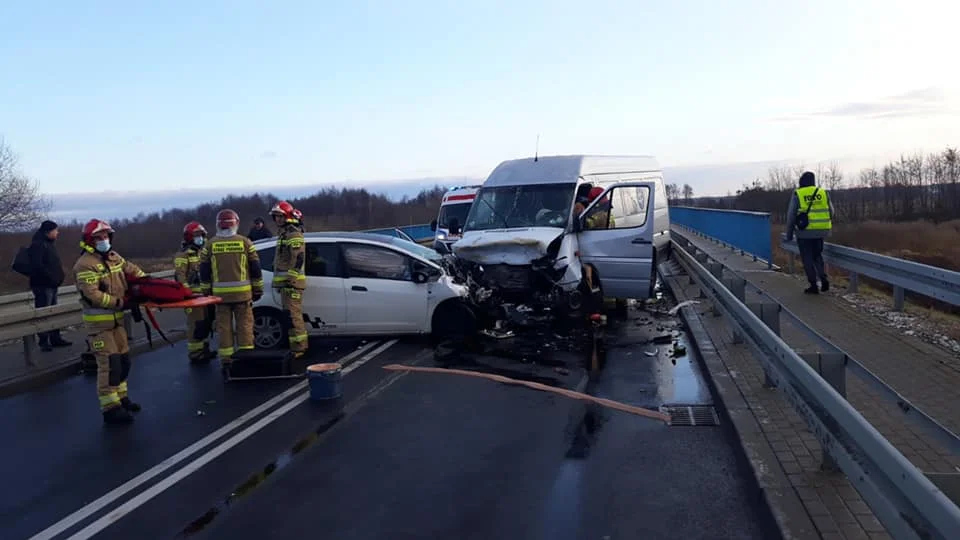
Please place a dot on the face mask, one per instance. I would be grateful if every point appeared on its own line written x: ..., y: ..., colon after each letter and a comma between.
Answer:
x: 198, y: 241
x: 103, y: 246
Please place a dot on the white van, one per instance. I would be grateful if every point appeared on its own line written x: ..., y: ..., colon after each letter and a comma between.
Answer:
x: 525, y: 240
x: 454, y: 207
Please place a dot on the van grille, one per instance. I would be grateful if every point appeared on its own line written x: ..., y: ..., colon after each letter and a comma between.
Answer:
x: 506, y: 276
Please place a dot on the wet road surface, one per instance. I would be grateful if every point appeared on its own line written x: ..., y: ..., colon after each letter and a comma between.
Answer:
x: 401, y: 455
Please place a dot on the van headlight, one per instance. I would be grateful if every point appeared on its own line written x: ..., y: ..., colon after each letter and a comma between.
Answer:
x: 441, y: 235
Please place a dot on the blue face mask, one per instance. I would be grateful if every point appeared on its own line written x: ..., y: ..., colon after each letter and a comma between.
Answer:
x: 103, y: 246
x: 198, y: 241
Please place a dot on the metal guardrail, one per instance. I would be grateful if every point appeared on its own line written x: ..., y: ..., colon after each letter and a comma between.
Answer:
x: 908, y: 503
x: 937, y: 283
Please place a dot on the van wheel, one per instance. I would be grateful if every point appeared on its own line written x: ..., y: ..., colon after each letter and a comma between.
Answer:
x: 269, y: 329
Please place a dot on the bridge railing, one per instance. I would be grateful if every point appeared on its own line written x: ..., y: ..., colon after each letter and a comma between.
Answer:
x: 748, y: 232
x: 19, y: 319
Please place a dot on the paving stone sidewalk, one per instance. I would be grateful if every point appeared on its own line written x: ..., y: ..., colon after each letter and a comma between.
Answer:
x: 785, y: 456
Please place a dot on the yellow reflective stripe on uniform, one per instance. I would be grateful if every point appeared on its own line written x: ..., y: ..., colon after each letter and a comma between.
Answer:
x: 225, y: 352
x: 179, y: 262
x: 245, y: 348
x: 258, y: 283
x: 197, y: 288
x: 231, y: 287
x: 122, y: 389
x: 252, y: 249
x: 108, y: 401
x: 102, y: 317
x: 194, y: 346
x: 106, y: 300
x: 297, y: 338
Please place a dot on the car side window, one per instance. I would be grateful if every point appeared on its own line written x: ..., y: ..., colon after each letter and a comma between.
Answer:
x: 365, y: 261
x: 323, y: 259
x: 623, y: 207
x: 266, y: 258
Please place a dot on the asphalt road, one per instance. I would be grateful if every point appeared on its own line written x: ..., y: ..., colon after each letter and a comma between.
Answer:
x: 401, y: 455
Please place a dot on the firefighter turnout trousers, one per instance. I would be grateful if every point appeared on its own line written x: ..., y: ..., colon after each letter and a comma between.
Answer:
x: 227, y: 313
x: 293, y: 308
x: 112, y: 352
x: 198, y: 334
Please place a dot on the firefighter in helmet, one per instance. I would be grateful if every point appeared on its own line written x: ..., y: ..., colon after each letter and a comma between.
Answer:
x: 230, y: 269
x: 101, y: 277
x: 288, y: 272
x: 186, y: 265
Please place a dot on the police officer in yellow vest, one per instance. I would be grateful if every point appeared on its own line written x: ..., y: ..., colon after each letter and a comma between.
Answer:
x: 810, y: 217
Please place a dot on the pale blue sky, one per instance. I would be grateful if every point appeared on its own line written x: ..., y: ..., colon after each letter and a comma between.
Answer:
x: 114, y: 96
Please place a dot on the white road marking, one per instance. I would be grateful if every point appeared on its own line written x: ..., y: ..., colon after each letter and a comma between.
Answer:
x: 109, y: 497
x: 161, y: 486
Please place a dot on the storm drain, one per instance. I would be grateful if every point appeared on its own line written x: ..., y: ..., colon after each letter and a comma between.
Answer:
x: 691, y: 415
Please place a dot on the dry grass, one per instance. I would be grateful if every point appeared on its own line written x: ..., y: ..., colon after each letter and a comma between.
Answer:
x: 920, y: 241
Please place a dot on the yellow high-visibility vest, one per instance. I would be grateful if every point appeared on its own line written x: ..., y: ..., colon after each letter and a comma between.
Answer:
x: 819, y: 214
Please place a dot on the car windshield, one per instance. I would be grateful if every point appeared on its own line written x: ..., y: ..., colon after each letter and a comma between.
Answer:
x: 417, y: 249
x: 458, y: 211
x: 509, y: 207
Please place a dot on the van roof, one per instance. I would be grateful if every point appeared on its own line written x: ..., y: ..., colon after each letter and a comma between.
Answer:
x: 565, y: 169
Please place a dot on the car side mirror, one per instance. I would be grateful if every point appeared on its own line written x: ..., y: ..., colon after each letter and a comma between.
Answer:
x: 433, y: 225
x: 420, y: 277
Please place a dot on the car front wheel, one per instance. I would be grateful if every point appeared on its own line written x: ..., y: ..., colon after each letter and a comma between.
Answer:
x: 269, y: 332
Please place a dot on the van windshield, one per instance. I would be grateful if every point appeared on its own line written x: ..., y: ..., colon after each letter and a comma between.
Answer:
x: 510, y: 207
x: 458, y: 211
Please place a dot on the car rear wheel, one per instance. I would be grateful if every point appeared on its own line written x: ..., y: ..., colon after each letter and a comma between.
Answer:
x: 269, y: 332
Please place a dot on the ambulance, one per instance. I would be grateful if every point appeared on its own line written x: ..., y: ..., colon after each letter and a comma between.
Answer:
x: 453, y: 211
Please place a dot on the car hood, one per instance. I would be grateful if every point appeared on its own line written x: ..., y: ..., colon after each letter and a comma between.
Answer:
x: 506, y: 246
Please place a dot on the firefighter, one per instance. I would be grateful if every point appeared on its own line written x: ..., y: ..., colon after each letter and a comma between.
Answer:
x: 101, y: 279
x: 230, y: 269
x: 288, y: 272
x: 187, y: 271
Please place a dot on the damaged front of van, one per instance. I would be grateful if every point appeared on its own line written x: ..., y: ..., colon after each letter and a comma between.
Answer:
x: 517, y: 247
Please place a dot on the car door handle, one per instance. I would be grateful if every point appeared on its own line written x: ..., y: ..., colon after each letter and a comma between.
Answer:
x: 641, y: 241
x: 358, y: 288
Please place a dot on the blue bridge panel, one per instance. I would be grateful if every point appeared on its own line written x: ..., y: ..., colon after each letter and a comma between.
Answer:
x: 747, y: 231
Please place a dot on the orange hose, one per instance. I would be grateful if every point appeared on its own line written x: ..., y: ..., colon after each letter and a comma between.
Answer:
x: 640, y: 411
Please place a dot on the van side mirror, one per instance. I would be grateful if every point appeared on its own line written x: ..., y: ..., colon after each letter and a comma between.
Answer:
x: 433, y: 225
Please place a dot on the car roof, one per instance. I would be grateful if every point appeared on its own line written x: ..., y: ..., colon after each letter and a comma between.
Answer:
x: 345, y: 235
x: 565, y: 169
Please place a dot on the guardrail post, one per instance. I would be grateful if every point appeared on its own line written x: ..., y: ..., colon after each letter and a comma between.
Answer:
x: 716, y: 270
x: 700, y: 256
x: 769, y: 313
x: 832, y: 368
x: 897, y: 298
x: 29, y: 350
x: 854, y: 284
x: 737, y: 286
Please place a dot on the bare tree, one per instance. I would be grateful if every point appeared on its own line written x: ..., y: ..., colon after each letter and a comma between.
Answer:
x: 673, y: 193
x: 687, y: 194
x: 832, y: 178
x: 21, y: 204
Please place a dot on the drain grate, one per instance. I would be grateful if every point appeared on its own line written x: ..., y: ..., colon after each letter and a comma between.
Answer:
x: 691, y: 415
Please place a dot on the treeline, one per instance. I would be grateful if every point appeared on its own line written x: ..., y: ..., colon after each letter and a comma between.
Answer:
x: 915, y: 187
x: 155, y: 236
